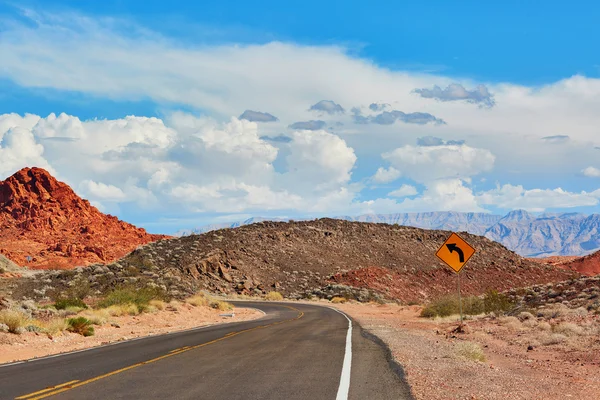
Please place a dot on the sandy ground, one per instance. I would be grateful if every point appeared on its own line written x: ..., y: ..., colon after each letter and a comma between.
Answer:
x: 436, y: 367
x: 31, y: 345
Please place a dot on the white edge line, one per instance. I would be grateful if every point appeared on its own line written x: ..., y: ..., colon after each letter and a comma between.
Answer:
x: 128, y: 341
x: 344, y: 388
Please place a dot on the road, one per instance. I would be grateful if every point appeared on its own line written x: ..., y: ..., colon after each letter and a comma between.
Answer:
x: 296, y: 351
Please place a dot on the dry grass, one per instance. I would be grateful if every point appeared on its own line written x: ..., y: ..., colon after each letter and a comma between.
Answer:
x: 470, y: 351
x: 157, y: 304
x: 568, y: 329
x: 199, y: 300
x: 15, y: 320
x: 274, y: 296
x: 56, y: 325
x: 544, y: 326
x: 221, y: 305
x: 96, y: 317
x: 512, y: 323
x: 339, y: 300
x: 552, y: 338
x: 119, y: 310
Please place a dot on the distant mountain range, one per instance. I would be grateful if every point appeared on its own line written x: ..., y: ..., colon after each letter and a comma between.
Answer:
x: 550, y: 234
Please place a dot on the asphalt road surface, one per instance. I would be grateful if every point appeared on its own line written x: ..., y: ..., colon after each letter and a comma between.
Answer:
x: 295, y: 351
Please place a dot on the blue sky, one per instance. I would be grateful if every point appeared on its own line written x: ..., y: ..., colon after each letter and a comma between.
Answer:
x: 506, y: 92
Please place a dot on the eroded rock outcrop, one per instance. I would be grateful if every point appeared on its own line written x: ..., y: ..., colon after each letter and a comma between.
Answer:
x: 44, y: 224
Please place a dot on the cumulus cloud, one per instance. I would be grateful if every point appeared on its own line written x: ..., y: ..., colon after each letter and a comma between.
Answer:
x: 429, y: 163
x: 311, y: 125
x: 257, y: 116
x: 556, y: 138
x: 277, y: 139
x: 327, y: 106
x: 389, y: 117
x: 404, y: 191
x: 591, y: 172
x: 386, y: 175
x: 517, y: 197
x: 456, y: 92
x: 101, y: 191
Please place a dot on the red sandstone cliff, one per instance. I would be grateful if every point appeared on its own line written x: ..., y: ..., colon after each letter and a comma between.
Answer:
x: 44, y: 219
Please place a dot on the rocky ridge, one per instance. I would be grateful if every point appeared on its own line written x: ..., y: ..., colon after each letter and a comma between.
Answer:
x: 322, y: 258
x: 44, y: 224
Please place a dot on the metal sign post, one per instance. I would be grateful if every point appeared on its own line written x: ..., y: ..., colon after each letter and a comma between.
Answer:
x: 455, y: 253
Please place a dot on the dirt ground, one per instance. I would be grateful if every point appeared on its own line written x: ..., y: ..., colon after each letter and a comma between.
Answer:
x: 524, y: 359
x: 32, y: 345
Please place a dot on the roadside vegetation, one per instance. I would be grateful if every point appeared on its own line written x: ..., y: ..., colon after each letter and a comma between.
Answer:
x: 72, y: 311
x: 274, y: 296
x: 492, y: 301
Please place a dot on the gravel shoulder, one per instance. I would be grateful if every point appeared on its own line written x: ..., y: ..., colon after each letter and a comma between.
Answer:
x: 441, y: 364
x: 182, y: 316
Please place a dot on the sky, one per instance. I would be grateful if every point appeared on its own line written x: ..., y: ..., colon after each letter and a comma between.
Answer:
x: 173, y: 115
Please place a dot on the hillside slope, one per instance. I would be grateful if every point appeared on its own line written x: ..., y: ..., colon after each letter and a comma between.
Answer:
x: 323, y: 258
x: 43, y: 219
x: 528, y: 235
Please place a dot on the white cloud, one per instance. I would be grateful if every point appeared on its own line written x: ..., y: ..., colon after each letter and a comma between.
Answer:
x: 101, y: 191
x: 386, y: 175
x: 428, y: 163
x: 517, y: 197
x: 404, y: 191
x: 591, y: 172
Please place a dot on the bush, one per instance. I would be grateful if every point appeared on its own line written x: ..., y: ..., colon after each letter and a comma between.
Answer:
x: 198, y: 300
x: 274, y: 296
x: 221, y: 305
x: 80, y: 325
x: 14, y: 320
x: 119, y: 310
x: 63, y: 303
x: 471, y: 351
x: 158, y: 304
x: 339, y: 300
x: 496, y: 302
x: 141, y: 297
x: 96, y: 317
x: 56, y: 325
x: 445, y: 306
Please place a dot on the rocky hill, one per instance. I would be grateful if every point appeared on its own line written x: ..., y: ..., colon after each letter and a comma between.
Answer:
x: 587, y: 265
x: 545, y: 235
x: 322, y: 258
x: 44, y: 224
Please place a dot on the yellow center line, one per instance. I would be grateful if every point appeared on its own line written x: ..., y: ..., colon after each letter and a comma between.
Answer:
x: 48, y: 389
x: 63, y: 388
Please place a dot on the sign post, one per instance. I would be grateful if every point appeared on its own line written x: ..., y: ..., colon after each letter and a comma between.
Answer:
x: 455, y: 253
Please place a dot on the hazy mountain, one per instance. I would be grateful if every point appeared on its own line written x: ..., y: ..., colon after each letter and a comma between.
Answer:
x: 529, y: 235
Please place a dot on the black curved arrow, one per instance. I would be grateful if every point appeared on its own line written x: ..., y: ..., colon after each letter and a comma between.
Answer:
x: 452, y: 247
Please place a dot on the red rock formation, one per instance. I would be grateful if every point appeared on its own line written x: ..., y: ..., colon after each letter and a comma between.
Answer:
x: 45, y: 220
x: 587, y: 265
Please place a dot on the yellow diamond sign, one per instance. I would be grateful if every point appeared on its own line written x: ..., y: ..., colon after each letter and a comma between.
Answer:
x: 455, y: 252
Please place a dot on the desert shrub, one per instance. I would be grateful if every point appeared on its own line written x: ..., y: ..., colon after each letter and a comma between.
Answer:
x: 221, y: 305
x: 568, y: 329
x: 524, y: 316
x: 554, y: 338
x: 471, y: 351
x: 119, y: 310
x: 141, y: 297
x: 80, y: 325
x: 96, y: 317
x: 496, y: 302
x: 15, y: 320
x: 198, y: 300
x: 339, y: 300
x: 544, y: 326
x: 56, y: 325
x: 62, y: 303
x: 530, y: 323
x: 512, y: 323
x: 274, y: 296
x: 158, y: 304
